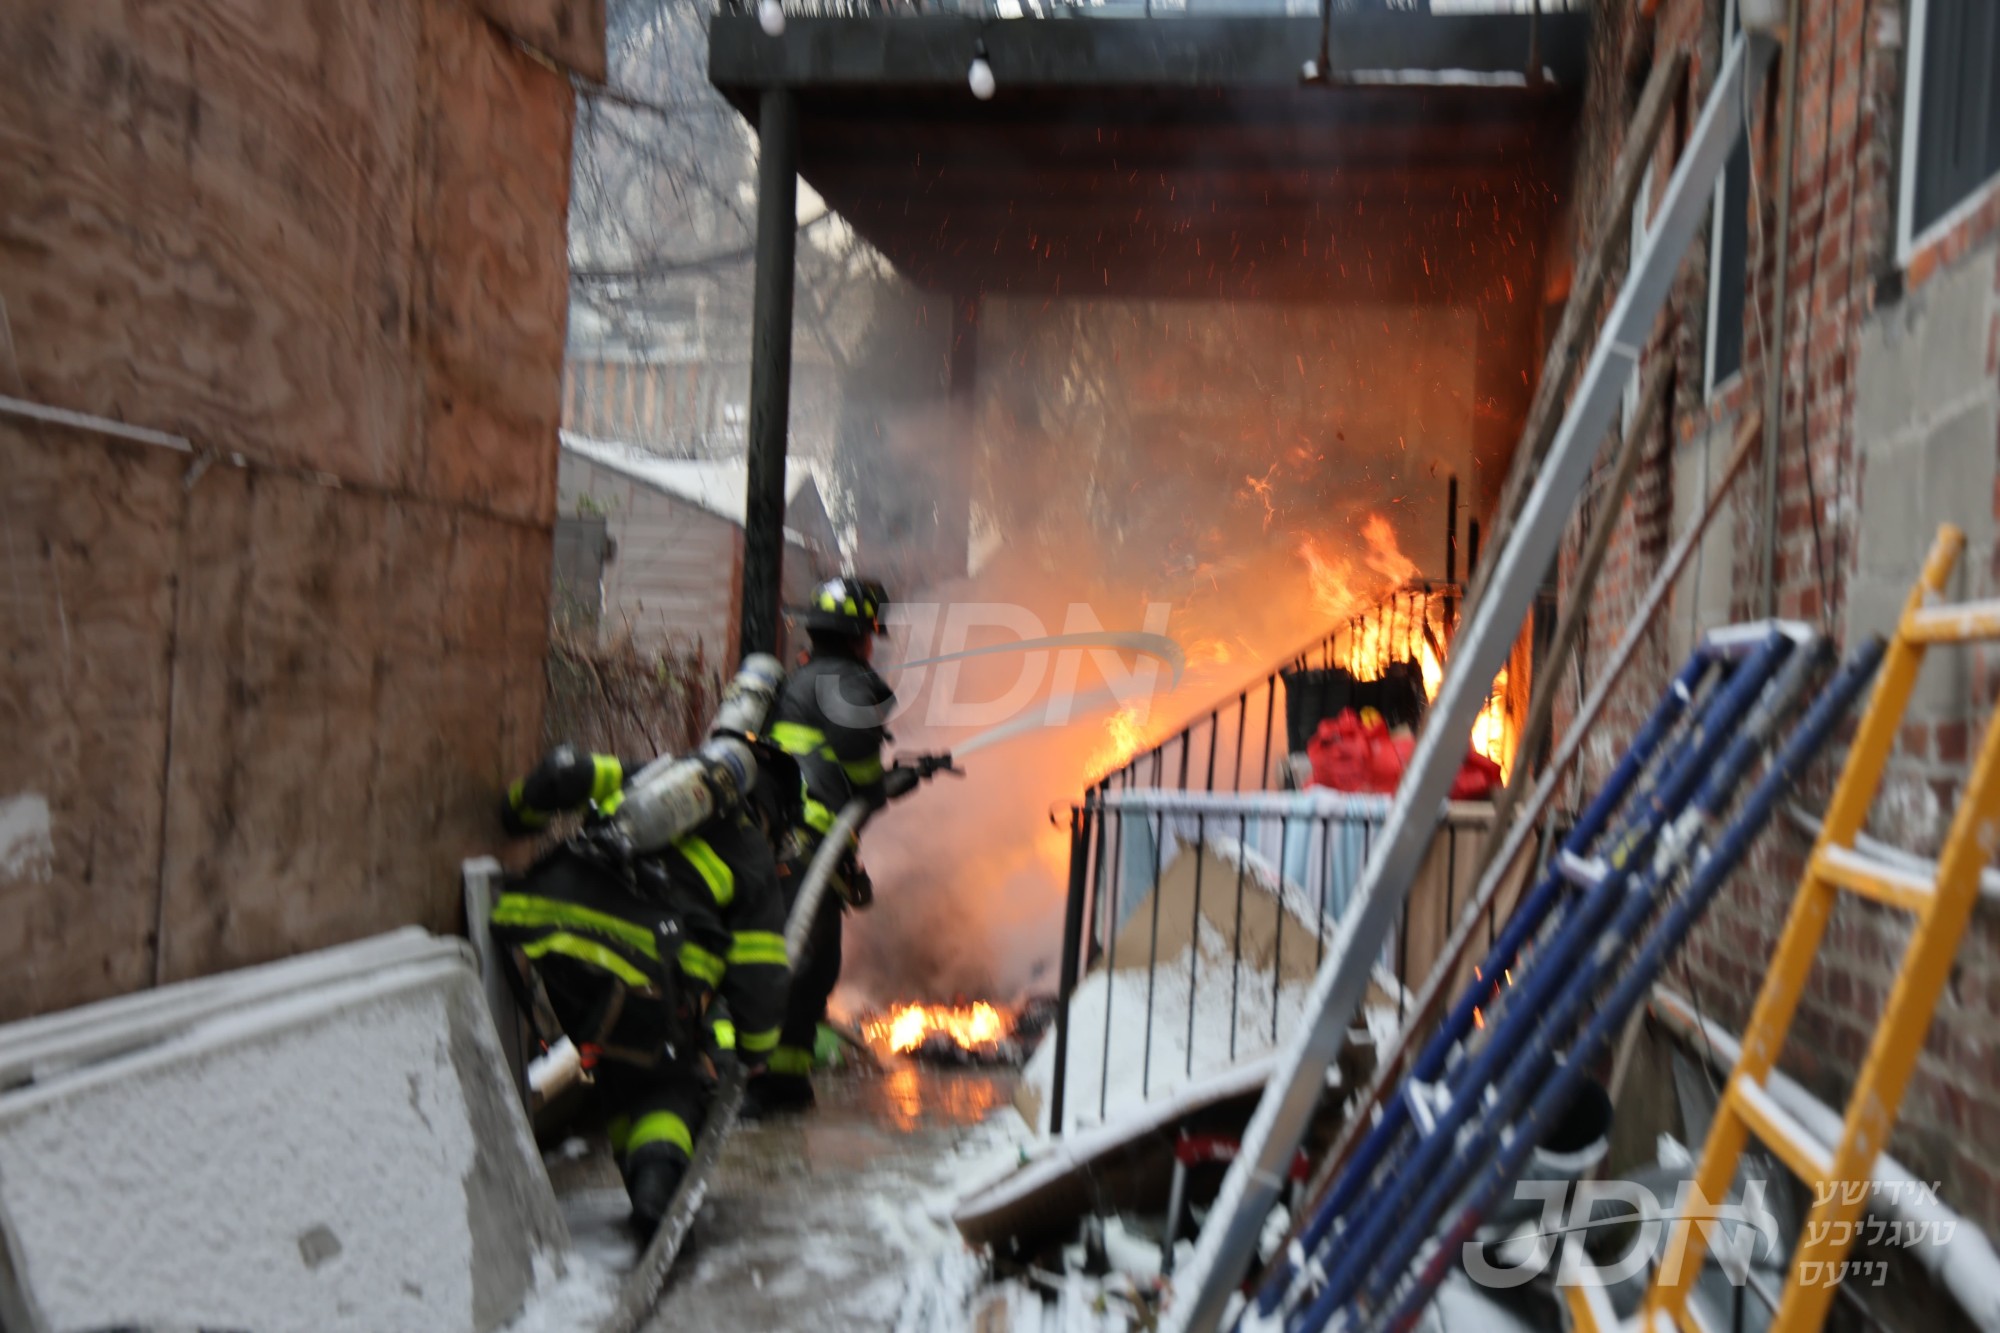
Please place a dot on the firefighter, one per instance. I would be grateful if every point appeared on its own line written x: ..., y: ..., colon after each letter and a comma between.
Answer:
x: 630, y: 949
x: 832, y: 718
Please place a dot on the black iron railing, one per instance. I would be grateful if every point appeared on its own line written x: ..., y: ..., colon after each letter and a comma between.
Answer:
x: 1404, y: 627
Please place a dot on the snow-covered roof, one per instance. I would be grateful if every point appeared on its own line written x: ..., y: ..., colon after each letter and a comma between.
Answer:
x: 715, y: 485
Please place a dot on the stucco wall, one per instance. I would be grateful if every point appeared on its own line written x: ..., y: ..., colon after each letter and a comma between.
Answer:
x: 268, y: 692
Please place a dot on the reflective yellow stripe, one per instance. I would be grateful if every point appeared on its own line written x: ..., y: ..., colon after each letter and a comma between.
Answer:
x: 607, y: 778
x: 790, y: 1060
x: 757, y: 946
x: 725, y: 1034
x: 863, y: 772
x: 516, y: 796
x: 609, y: 805
x: 848, y: 605
x: 527, y: 910
x: 818, y: 817
x: 712, y: 868
x: 659, y: 1127
x: 757, y: 1042
x: 587, y: 951
x: 702, y: 965
x: 826, y: 602
x: 795, y: 737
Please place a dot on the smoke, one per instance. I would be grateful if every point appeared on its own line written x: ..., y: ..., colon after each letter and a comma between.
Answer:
x: 1258, y: 471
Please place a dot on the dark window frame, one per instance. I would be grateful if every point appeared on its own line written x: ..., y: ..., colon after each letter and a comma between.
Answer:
x: 1728, y: 253
x: 1946, y: 175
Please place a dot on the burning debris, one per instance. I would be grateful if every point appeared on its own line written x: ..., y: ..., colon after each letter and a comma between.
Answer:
x: 975, y: 1033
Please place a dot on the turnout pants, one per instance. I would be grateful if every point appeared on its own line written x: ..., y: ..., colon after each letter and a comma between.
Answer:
x: 813, y: 979
x: 652, y: 1106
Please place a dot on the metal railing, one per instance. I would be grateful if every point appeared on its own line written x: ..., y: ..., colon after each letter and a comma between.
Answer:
x: 1230, y: 898
x: 1396, y: 630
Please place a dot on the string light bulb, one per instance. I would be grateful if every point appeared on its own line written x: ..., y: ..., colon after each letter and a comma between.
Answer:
x: 771, y: 17
x: 980, y: 74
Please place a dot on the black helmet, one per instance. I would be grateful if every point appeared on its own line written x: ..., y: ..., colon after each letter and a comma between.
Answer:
x: 848, y: 606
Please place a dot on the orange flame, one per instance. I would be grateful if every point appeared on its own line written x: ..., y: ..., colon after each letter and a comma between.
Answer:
x: 1385, y: 557
x: 1125, y: 736
x: 1491, y: 734
x: 908, y: 1026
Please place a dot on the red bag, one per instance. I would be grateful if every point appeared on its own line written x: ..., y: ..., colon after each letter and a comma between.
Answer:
x: 1349, y: 754
x: 1339, y: 755
x: 1477, y: 778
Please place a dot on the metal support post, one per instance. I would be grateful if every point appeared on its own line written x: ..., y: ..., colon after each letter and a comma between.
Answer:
x: 770, y: 370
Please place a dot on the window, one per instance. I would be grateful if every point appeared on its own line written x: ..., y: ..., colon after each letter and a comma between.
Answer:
x: 1951, y: 114
x: 1642, y: 214
x: 1729, y: 251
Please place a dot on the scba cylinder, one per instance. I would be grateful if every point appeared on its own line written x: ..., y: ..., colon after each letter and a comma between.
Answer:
x: 672, y: 797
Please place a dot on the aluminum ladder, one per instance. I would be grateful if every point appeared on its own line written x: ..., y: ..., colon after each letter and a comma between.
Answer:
x: 1229, y: 1238
x: 1941, y: 902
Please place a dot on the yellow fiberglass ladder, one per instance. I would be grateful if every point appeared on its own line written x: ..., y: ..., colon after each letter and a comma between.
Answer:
x: 1940, y: 896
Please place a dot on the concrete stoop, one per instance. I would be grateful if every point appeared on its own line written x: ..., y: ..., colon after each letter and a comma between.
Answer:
x: 325, y: 1144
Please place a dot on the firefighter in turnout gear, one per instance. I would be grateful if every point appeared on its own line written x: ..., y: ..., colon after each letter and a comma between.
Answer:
x: 628, y: 950
x: 832, y: 718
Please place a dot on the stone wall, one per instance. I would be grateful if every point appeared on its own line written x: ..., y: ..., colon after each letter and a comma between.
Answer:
x: 1891, y: 395
x: 266, y: 693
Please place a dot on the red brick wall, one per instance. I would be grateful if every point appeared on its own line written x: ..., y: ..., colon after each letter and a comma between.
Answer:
x: 1849, y: 306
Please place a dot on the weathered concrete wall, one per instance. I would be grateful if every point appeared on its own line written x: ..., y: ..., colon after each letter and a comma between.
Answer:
x: 328, y: 1144
x: 267, y: 701
x: 1890, y: 426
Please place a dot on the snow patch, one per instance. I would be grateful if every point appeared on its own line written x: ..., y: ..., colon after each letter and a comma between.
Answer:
x: 27, y: 843
x: 1209, y: 1013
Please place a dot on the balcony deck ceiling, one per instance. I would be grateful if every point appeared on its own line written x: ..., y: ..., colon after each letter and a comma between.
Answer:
x: 1182, y: 157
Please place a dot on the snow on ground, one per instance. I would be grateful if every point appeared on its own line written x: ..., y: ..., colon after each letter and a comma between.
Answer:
x: 1143, y: 1067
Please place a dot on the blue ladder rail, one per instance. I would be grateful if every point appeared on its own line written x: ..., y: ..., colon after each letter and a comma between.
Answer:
x: 1526, y: 921
x: 1399, y: 1277
x: 1372, y: 1218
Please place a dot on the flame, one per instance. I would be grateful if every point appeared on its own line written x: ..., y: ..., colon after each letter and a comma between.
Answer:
x: 1385, y: 557
x: 908, y: 1026
x: 1491, y: 734
x: 1333, y: 596
x: 1125, y: 736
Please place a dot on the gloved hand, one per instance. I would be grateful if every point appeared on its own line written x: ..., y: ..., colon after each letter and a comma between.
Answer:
x: 899, y: 782
x: 854, y: 885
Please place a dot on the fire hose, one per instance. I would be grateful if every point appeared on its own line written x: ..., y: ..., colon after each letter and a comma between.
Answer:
x: 819, y: 874
x: 812, y: 889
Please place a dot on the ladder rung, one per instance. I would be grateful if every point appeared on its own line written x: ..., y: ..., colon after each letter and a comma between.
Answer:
x: 1954, y: 622
x: 1809, y: 1159
x: 1584, y: 874
x: 1897, y: 886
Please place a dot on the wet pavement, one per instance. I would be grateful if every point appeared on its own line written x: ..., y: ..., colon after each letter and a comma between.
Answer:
x: 827, y: 1221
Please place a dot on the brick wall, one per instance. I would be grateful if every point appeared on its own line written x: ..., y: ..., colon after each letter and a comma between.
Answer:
x: 1891, y: 391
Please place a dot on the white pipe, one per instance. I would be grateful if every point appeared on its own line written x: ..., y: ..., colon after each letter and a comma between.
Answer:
x: 62, y: 416
x: 1955, y: 1252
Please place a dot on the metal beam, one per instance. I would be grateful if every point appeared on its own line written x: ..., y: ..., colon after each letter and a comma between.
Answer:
x: 1181, y: 52
x: 770, y: 371
x: 1229, y: 1239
